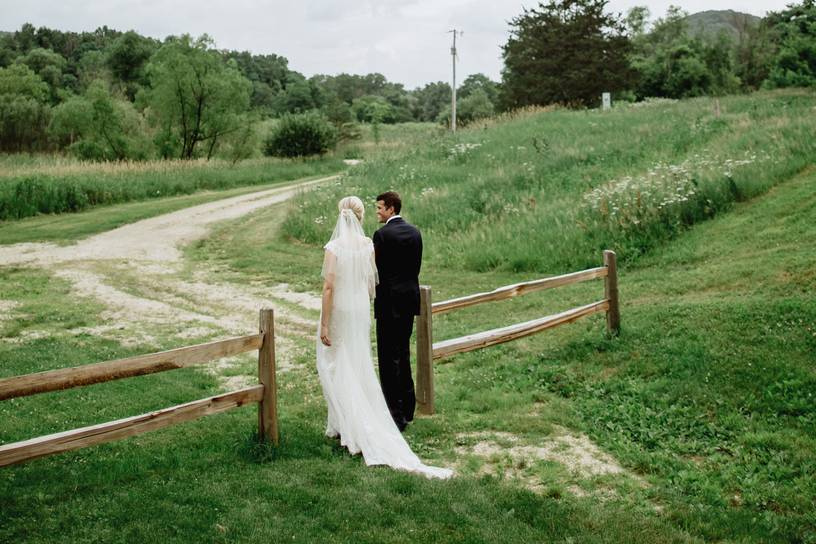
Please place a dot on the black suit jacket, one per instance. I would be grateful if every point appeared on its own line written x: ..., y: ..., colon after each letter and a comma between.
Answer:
x: 398, y: 251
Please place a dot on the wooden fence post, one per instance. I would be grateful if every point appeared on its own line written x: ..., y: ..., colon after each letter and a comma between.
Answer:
x: 611, y: 293
x: 424, y: 344
x: 268, y: 407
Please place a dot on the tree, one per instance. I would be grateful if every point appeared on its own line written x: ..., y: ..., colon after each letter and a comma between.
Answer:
x: 127, y: 57
x: 298, y: 96
x: 48, y: 65
x: 24, y: 110
x: 268, y: 74
x: 72, y: 119
x: 476, y: 105
x: 432, y: 99
x: 92, y: 67
x: 636, y: 21
x: 99, y: 126
x: 301, y: 135
x: 566, y: 51
x: 794, y: 32
x: 672, y: 63
x: 478, y: 82
x: 754, y: 55
x: 195, y: 96
x: 373, y: 109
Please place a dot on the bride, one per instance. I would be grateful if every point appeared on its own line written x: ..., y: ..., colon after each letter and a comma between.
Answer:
x: 358, y: 414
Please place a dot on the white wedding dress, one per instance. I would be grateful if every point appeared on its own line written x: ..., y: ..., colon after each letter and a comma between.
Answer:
x: 357, y: 411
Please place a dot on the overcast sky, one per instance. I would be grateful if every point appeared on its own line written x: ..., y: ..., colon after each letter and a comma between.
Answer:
x: 406, y: 40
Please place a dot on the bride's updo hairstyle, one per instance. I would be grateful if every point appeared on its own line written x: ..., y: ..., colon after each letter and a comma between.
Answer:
x: 354, y: 204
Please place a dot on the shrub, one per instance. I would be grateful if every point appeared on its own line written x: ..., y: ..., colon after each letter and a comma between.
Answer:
x: 301, y: 135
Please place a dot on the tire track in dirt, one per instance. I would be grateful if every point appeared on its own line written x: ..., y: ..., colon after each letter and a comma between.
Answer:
x: 135, y: 271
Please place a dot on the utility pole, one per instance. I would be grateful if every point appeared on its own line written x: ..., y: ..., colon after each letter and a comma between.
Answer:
x: 453, y: 96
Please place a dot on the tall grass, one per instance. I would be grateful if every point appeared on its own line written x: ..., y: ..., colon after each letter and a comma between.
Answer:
x: 540, y: 192
x: 53, y: 185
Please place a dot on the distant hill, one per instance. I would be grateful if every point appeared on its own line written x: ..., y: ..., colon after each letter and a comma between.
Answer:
x: 708, y: 24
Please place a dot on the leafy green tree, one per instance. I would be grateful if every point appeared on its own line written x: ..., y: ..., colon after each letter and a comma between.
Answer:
x: 348, y: 88
x: 195, y: 96
x: 243, y: 143
x: 341, y: 116
x: 672, y: 63
x: 794, y: 32
x: 636, y: 21
x: 70, y: 120
x: 268, y: 74
x: 127, y: 57
x: 99, y: 126
x: 298, y: 96
x: 92, y: 67
x: 431, y: 100
x: 49, y: 66
x: 565, y: 51
x: 301, y: 135
x: 476, y: 105
x: 24, y: 109
x: 479, y: 82
x: 373, y: 109
x: 754, y: 55
x: 6, y: 52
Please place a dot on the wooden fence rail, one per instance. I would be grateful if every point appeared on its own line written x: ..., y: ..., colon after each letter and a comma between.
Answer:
x: 264, y: 394
x: 428, y: 351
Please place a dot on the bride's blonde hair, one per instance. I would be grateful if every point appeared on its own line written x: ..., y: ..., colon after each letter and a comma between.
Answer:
x: 354, y: 204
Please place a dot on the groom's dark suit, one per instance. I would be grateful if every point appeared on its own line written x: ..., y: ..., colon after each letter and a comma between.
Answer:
x: 398, y: 250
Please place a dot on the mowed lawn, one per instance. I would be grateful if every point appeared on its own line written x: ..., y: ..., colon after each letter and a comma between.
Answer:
x: 706, y: 400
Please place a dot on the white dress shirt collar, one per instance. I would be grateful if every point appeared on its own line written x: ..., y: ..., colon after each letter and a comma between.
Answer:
x: 393, y: 217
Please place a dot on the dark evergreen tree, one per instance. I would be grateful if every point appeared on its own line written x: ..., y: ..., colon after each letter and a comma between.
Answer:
x: 565, y: 51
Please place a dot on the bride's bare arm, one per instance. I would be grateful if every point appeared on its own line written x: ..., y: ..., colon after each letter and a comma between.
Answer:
x: 328, y: 294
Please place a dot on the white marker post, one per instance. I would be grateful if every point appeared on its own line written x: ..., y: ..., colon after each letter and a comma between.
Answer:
x: 606, y: 98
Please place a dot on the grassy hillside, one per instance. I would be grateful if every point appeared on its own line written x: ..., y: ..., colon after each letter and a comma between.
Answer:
x: 705, y: 400
x: 548, y: 191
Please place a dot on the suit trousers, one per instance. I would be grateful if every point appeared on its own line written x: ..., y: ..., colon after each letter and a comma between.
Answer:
x: 394, y: 358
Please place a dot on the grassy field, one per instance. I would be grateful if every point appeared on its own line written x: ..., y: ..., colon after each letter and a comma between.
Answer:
x: 52, y: 184
x: 705, y: 400
x: 74, y: 188
x: 68, y: 227
x: 569, y: 184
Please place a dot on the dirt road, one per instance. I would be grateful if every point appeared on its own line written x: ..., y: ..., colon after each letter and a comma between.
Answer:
x: 136, y: 271
x: 156, y: 239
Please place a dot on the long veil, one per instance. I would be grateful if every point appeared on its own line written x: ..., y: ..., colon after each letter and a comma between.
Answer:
x: 348, y: 247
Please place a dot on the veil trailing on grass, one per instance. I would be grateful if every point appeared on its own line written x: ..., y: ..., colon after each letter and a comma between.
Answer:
x: 357, y: 412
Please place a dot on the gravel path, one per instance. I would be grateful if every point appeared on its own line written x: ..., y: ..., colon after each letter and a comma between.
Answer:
x: 136, y: 272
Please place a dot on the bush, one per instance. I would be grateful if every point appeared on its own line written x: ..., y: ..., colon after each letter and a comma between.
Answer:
x: 301, y: 135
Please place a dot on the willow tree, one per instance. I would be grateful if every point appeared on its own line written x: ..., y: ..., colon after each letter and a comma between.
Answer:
x: 195, y: 97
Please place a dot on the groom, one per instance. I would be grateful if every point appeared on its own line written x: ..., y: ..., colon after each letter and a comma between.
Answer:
x: 398, y: 251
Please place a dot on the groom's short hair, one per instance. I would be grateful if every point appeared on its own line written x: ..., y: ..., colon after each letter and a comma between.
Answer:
x: 391, y: 200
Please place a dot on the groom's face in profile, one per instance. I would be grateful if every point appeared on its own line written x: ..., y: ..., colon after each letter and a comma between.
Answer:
x: 383, y: 213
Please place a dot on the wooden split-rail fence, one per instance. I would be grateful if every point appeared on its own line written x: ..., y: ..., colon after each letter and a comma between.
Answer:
x: 265, y: 393
x: 428, y: 351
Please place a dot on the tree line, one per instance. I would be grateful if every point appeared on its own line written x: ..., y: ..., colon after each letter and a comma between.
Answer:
x: 570, y: 51
x: 110, y: 95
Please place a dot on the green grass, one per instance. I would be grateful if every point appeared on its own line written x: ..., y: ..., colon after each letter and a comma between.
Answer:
x: 75, y: 188
x: 32, y: 185
x: 67, y: 228
x: 519, y: 195
x: 707, y: 397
